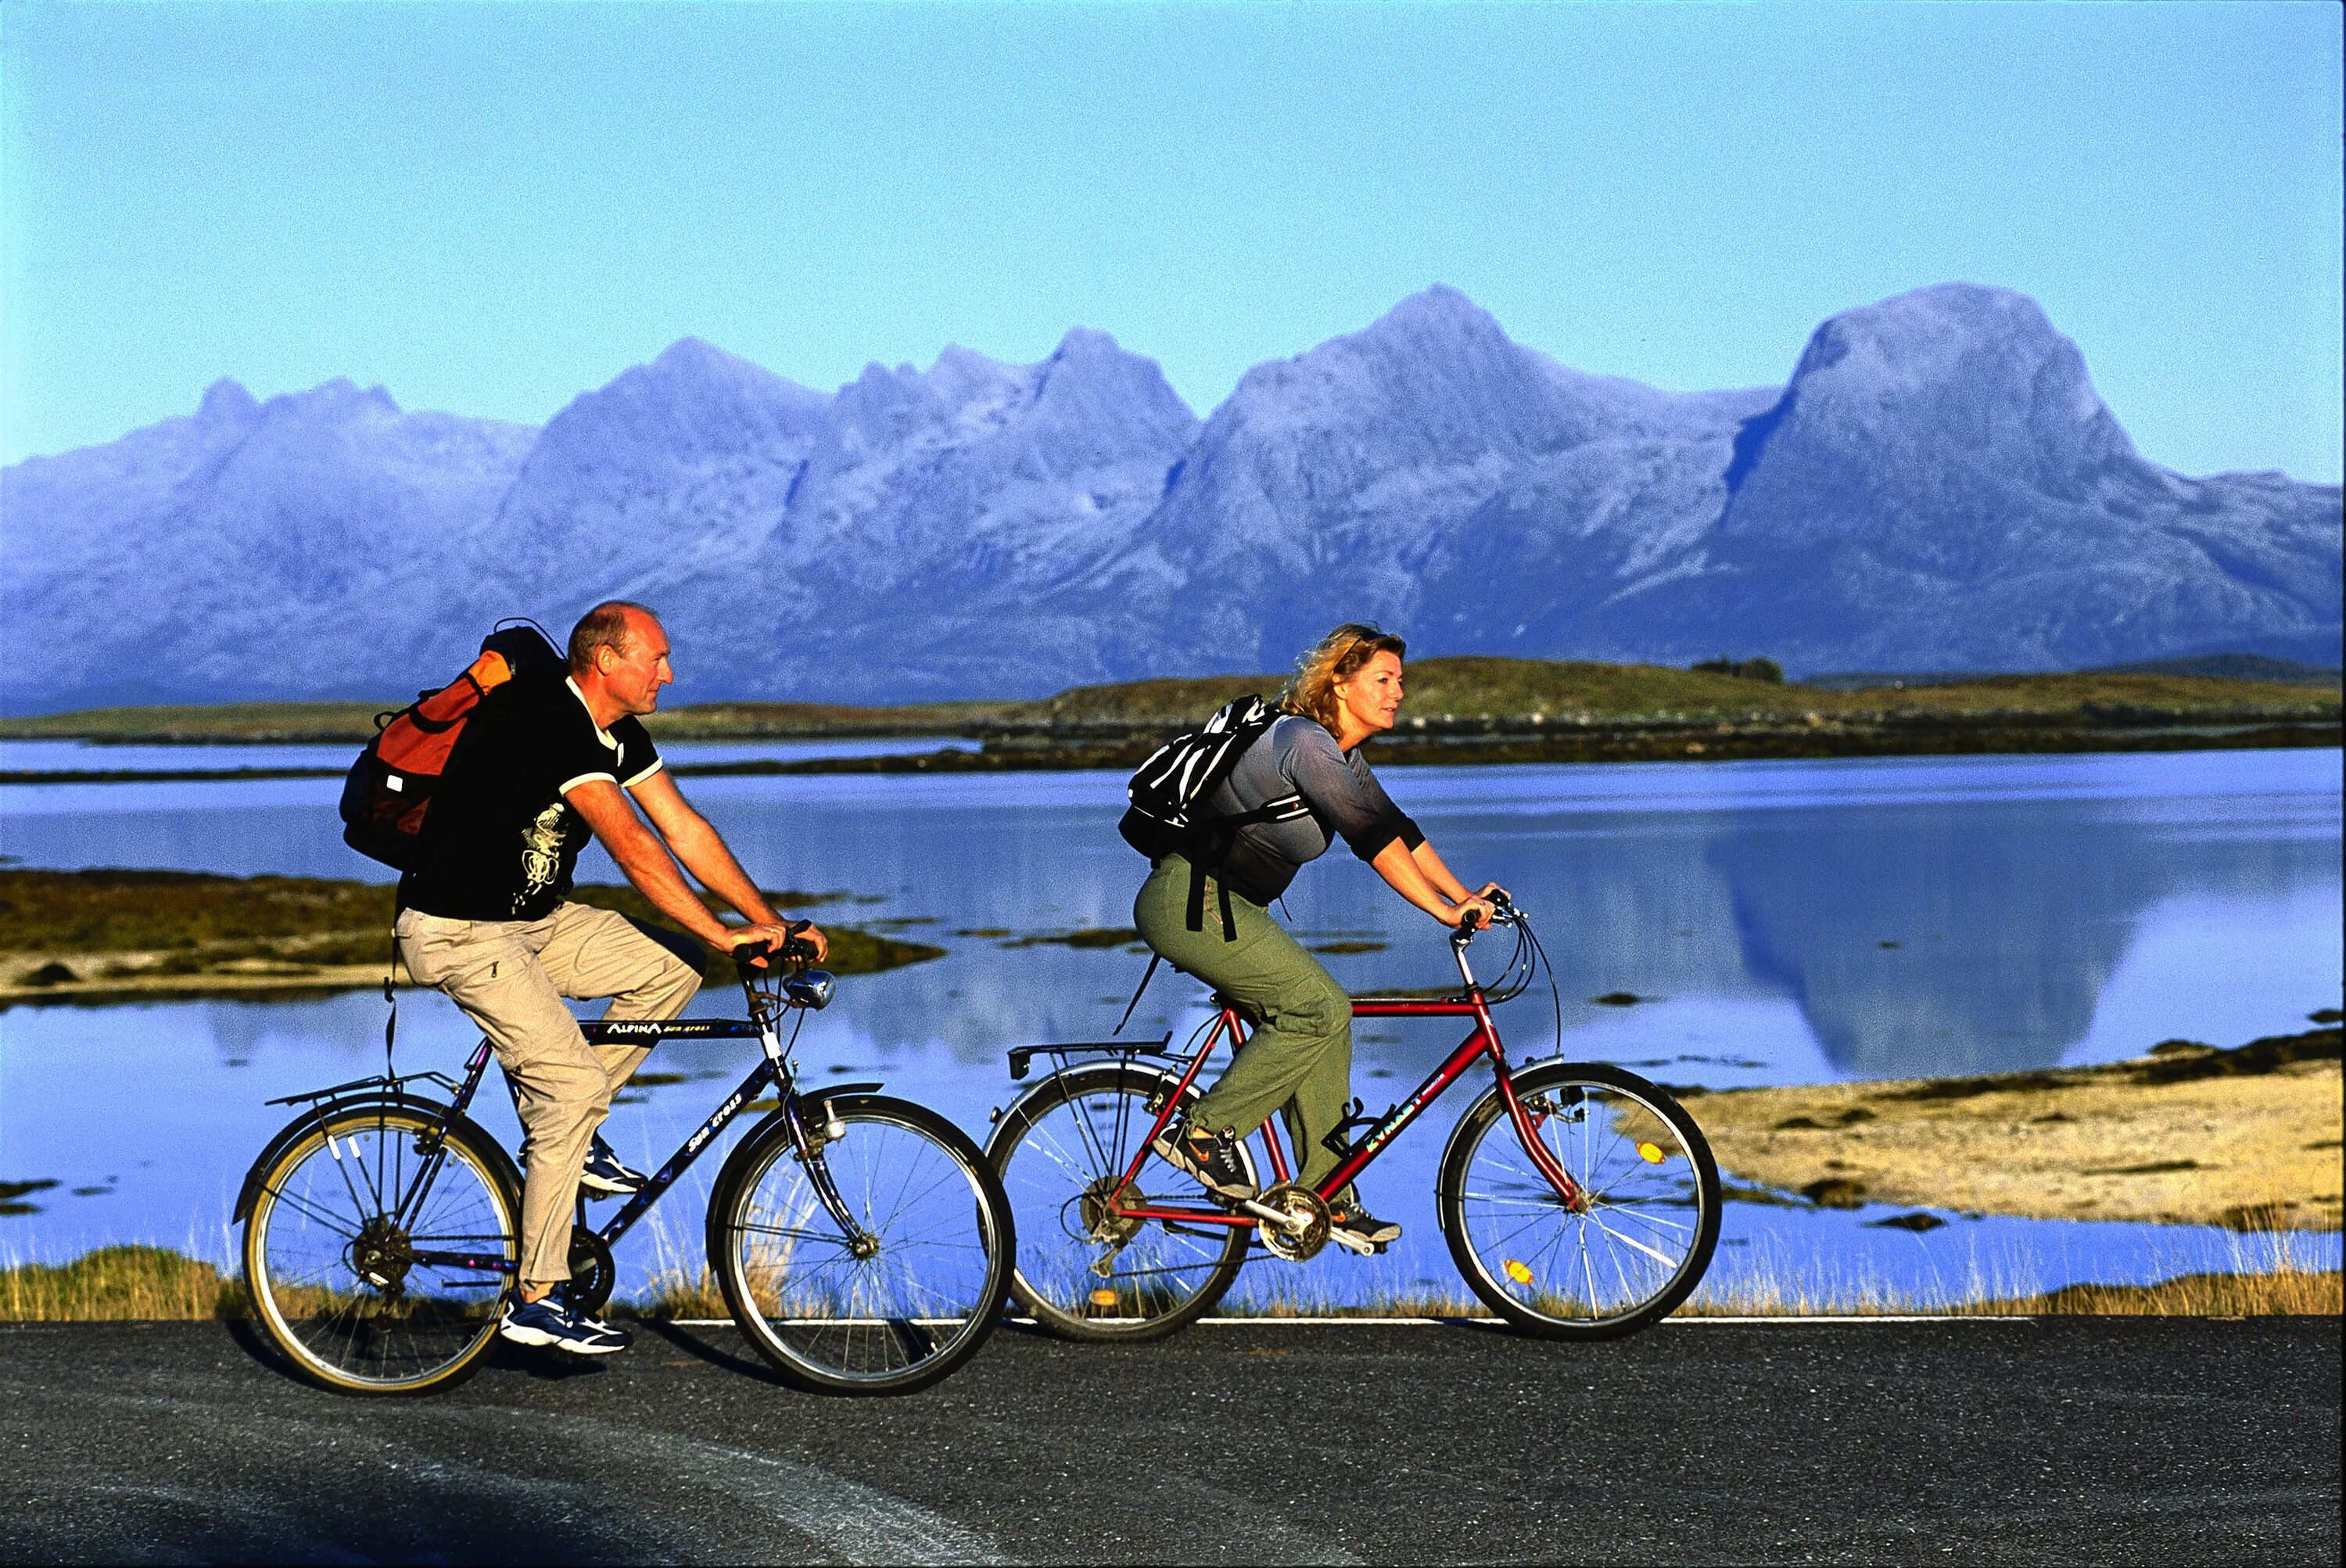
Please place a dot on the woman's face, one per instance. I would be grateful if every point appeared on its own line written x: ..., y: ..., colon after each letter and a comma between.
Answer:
x: 1371, y: 696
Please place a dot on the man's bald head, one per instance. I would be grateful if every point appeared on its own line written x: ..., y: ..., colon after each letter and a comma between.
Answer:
x: 614, y: 624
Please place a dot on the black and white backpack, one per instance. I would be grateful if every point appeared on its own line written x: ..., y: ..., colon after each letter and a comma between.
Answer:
x: 1169, y: 793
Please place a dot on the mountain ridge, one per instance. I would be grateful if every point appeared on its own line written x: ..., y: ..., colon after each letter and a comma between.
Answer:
x: 1936, y: 485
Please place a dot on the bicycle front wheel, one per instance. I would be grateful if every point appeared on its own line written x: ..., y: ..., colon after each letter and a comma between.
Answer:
x: 1085, y: 1271
x: 1630, y: 1252
x: 378, y: 1258
x: 896, y: 1305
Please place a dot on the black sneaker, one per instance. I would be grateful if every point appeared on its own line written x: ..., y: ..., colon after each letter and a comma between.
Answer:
x: 605, y: 1176
x: 1361, y: 1223
x: 1211, y: 1157
x: 553, y: 1323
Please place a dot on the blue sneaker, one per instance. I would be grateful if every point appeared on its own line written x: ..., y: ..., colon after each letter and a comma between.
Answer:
x: 604, y: 1175
x: 554, y: 1322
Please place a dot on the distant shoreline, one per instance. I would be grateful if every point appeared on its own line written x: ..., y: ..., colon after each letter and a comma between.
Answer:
x: 1641, y: 743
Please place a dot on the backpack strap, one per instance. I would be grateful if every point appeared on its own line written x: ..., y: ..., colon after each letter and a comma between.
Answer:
x: 1145, y: 977
x: 1220, y: 834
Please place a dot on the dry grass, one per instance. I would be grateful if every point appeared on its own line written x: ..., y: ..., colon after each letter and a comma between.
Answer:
x: 2283, y: 1292
x: 156, y: 1284
x: 120, y: 1284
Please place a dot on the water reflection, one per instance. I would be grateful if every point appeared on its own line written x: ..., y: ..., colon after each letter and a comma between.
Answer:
x: 2044, y: 908
x: 1979, y: 937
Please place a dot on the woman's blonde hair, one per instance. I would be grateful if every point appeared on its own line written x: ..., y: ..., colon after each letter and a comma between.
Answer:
x: 1333, y: 660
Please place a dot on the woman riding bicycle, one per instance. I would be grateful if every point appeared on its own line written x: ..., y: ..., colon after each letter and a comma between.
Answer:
x: 1298, y: 1060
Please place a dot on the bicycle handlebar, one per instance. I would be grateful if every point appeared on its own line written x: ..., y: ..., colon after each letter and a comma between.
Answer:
x: 750, y: 954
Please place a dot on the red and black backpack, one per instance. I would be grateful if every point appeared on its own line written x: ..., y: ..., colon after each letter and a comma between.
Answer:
x: 390, y: 787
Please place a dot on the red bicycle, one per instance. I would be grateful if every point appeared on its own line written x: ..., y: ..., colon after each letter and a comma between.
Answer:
x: 1580, y: 1201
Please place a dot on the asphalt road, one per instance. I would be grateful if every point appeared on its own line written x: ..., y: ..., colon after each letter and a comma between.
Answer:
x: 2065, y: 1442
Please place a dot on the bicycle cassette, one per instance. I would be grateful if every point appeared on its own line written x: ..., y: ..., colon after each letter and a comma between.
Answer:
x: 1306, y: 1230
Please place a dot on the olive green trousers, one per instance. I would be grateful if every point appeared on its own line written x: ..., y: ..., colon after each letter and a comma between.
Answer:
x: 1298, y: 1058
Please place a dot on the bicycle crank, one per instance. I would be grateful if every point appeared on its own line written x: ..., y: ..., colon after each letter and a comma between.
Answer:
x: 592, y: 1271
x: 1294, y: 1221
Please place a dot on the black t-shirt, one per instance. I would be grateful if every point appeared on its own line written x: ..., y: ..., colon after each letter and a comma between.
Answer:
x: 500, y: 842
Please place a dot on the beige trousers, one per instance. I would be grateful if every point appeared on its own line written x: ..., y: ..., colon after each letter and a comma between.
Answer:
x: 510, y: 977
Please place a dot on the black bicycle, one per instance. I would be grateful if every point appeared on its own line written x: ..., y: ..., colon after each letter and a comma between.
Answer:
x: 861, y: 1242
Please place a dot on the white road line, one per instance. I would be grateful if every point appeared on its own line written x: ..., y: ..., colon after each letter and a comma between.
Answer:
x: 1821, y: 1319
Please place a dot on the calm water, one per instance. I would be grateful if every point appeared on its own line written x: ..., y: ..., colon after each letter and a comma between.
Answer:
x: 1787, y: 922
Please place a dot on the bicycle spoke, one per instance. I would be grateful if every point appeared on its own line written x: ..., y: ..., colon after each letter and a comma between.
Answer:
x: 1604, y: 1260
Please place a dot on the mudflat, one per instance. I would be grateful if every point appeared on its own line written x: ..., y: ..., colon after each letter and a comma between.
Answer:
x: 107, y: 935
x: 2247, y: 1138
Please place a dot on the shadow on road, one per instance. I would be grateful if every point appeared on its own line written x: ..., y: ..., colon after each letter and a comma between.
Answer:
x: 701, y: 1347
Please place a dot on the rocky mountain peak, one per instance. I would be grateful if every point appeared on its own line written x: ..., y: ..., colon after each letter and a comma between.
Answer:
x: 226, y: 403
x: 1954, y: 380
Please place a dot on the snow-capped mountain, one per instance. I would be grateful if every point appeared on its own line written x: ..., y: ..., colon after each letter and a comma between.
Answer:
x: 1937, y: 486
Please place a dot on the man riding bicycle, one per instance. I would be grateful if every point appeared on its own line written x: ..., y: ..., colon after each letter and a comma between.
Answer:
x: 1298, y: 1060
x: 546, y: 760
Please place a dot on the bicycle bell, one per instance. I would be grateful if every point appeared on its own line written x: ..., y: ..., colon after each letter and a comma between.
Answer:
x: 811, y: 990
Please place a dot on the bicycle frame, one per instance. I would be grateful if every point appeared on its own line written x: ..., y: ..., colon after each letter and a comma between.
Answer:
x: 772, y: 1069
x: 1480, y: 1042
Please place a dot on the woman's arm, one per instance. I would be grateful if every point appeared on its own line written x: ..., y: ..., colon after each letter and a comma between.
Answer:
x: 1399, y: 866
x: 1441, y: 876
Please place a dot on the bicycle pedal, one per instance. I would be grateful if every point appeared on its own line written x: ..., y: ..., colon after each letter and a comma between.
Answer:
x: 1351, y: 1243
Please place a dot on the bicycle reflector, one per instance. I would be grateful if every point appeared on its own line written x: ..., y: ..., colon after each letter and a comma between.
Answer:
x: 1650, y: 1153
x: 1519, y: 1272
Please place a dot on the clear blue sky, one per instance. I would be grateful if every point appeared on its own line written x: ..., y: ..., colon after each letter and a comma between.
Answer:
x: 490, y: 211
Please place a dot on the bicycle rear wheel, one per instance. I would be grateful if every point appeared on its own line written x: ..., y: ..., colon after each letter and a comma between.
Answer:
x: 920, y: 1294
x: 1636, y: 1249
x: 1084, y: 1273
x: 376, y: 1268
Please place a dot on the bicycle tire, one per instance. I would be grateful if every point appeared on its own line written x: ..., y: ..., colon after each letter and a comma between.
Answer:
x: 889, y: 1323
x: 329, y: 1270
x: 1641, y: 1157
x: 1069, y: 1135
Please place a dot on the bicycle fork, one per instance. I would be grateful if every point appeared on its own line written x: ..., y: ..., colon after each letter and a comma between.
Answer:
x: 860, y: 1243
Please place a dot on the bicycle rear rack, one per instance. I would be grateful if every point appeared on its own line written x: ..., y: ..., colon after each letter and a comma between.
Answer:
x: 394, y: 1083
x: 1020, y: 1055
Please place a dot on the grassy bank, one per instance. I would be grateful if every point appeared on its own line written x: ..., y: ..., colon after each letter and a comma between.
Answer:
x: 2247, y: 1138
x: 103, y: 934
x: 120, y: 1284
x: 1471, y: 696
x: 155, y: 1284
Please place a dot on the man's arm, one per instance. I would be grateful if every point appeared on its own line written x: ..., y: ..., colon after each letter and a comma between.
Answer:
x: 706, y: 855
x: 647, y: 864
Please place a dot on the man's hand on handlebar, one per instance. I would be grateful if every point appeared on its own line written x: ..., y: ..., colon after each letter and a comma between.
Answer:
x: 776, y: 939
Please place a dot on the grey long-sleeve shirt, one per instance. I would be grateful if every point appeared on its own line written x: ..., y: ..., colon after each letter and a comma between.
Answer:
x: 1297, y: 756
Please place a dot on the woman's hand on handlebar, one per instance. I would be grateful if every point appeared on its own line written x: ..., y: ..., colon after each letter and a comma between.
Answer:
x: 1473, y: 913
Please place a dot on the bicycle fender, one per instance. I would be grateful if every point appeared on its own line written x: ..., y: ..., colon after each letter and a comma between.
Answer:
x: 1524, y: 1078
x: 299, y: 1126
x: 1057, y: 1085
